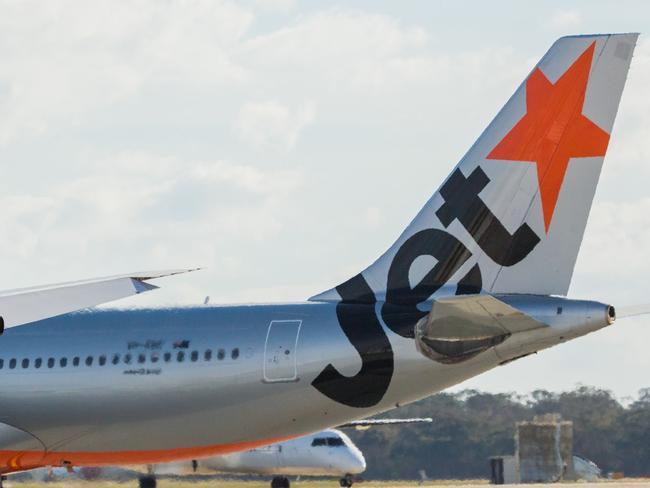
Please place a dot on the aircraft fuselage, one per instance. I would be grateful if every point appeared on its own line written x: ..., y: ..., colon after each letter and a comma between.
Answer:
x: 195, y: 382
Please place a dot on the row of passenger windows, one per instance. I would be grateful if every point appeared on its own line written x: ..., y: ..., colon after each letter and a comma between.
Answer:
x: 117, y: 358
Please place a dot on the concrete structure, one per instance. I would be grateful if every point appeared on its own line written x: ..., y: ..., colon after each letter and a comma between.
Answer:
x: 543, y: 454
x: 544, y: 449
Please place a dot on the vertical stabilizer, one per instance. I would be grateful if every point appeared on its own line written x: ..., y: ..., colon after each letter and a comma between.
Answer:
x: 511, y: 215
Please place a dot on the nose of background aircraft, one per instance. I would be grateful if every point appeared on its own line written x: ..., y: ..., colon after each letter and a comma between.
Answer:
x: 356, y: 462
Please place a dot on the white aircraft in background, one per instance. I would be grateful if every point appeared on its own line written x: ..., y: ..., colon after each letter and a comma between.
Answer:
x: 476, y: 280
x: 326, y: 453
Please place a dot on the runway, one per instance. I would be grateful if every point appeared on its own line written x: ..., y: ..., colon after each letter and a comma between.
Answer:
x: 307, y: 483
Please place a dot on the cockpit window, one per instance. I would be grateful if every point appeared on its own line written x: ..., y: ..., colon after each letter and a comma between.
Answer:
x: 328, y: 441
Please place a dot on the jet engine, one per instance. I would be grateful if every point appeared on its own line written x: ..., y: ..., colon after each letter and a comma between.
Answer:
x: 461, y: 327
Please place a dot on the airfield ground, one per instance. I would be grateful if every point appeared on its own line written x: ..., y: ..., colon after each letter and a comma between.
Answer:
x: 218, y: 483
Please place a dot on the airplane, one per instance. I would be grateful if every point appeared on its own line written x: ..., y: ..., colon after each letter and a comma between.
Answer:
x: 26, y: 305
x: 478, y: 279
x: 326, y: 453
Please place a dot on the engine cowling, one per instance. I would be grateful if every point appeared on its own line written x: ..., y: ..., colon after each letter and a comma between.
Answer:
x: 461, y: 327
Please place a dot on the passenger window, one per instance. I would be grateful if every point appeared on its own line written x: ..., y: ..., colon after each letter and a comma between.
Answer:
x: 180, y: 357
x: 235, y: 353
x: 127, y: 359
x: 12, y: 363
x: 167, y: 356
x: 208, y: 355
x: 116, y: 358
x: 102, y: 360
x: 63, y: 362
x: 154, y: 357
x: 37, y: 363
x: 75, y: 361
x: 50, y: 362
x: 89, y: 361
x: 25, y: 363
x: 141, y: 358
x: 221, y: 354
x: 2, y: 363
x: 194, y: 356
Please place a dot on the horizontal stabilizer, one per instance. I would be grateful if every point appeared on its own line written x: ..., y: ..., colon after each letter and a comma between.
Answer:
x: 460, y: 327
x: 367, y: 423
x: 632, y: 310
x: 22, y: 306
x: 478, y: 312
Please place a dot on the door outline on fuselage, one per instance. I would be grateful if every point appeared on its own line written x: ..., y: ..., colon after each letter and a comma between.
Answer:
x: 272, y: 351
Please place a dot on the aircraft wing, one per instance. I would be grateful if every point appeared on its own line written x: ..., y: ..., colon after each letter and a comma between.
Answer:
x: 367, y: 423
x: 22, y: 306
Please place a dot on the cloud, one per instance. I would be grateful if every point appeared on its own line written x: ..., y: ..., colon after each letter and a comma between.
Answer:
x: 565, y: 19
x: 142, y: 210
x: 630, y: 145
x: 65, y: 59
x: 262, y: 123
x: 342, y: 47
x: 614, y: 250
x: 282, y: 6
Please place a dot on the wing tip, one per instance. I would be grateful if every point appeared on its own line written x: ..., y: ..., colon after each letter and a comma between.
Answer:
x: 152, y: 275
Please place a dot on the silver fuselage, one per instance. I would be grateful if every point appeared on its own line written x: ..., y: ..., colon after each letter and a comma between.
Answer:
x: 150, y: 411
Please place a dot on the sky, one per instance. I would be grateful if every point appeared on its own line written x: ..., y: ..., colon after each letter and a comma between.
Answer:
x: 284, y: 145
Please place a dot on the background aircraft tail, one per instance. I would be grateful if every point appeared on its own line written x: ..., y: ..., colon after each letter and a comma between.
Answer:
x: 511, y: 216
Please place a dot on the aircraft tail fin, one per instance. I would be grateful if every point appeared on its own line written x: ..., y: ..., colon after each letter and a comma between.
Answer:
x: 511, y: 215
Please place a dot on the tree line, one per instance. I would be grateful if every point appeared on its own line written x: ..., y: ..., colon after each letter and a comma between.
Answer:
x: 470, y: 426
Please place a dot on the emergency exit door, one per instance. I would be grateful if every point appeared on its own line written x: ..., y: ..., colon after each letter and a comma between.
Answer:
x: 280, y: 351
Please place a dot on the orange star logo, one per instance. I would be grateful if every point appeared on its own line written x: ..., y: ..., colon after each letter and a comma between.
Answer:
x: 554, y: 129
